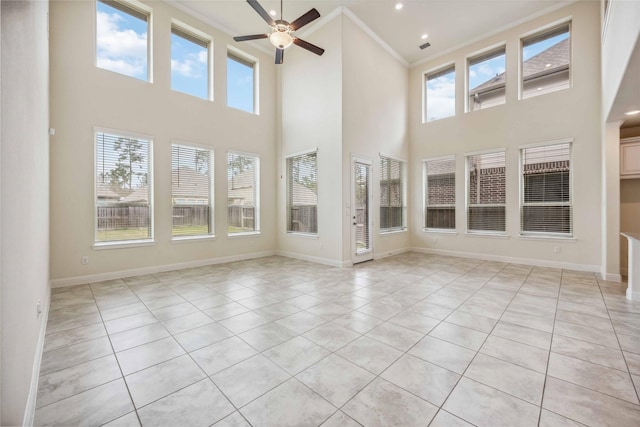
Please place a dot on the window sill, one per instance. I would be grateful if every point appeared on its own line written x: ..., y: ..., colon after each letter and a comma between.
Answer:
x: 303, y: 235
x: 439, y: 231
x: 568, y: 239
x: 245, y: 234
x: 489, y: 235
x: 188, y: 239
x: 387, y: 232
x: 98, y: 246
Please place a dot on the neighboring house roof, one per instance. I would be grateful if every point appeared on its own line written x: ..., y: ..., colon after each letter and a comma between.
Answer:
x: 241, y: 189
x: 303, y: 195
x: 189, y: 183
x: 106, y: 191
x: 556, y: 55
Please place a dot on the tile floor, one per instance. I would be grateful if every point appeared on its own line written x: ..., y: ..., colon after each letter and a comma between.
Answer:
x: 409, y: 340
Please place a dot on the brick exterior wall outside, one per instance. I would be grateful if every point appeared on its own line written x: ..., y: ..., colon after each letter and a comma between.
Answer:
x: 492, y: 189
x: 441, y: 189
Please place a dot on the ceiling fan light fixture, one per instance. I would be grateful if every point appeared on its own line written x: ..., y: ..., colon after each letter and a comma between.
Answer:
x: 281, y: 36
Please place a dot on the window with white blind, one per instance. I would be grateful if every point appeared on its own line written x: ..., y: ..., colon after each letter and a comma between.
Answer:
x: 546, y: 190
x: 302, y: 193
x: 487, y: 79
x: 486, y: 193
x: 392, y: 195
x: 440, y: 194
x: 440, y: 94
x: 546, y: 61
x: 124, y: 210
x: 241, y: 82
x: 190, y: 61
x: 191, y: 191
x: 122, y: 34
x: 243, y: 196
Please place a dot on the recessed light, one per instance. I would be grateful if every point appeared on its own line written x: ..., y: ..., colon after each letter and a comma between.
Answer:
x: 272, y: 12
x: 539, y: 88
x: 548, y: 65
x: 399, y: 6
x: 632, y: 112
x: 424, y: 36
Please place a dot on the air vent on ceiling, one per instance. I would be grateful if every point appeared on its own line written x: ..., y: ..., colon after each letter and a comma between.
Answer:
x: 424, y: 46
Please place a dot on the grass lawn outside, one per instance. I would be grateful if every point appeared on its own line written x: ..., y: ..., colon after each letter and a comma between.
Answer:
x: 123, y: 234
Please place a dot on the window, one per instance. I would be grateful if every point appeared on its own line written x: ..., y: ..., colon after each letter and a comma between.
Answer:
x: 122, y: 38
x: 123, y: 187
x: 546, y: 190
x: 392, y: 195
x: 487, y: 77
x: 486, y: 192
x: 440, y: 94
x: 243, y: 193
x: 546, y: 61
x: 191, y: 191
x: 302, y: 193
x: 241, y: 83
x: 189, y: 62
x: 440, y: 194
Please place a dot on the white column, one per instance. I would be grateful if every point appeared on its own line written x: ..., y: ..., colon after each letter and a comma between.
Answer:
x: 633, y: 290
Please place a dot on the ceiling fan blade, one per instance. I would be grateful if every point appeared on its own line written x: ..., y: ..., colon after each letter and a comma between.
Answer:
x: 312, y: 15
x: 310, y: 47
x: 279, y: 56
x: 256, y: 6
x: 251, y: 37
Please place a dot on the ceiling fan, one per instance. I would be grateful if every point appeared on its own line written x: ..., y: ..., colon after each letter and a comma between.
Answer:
x: 281, y: 31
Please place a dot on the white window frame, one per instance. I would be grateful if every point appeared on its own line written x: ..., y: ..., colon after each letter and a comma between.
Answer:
x: 403, y: 181
x: 425, y: 197
x: 211, y: 234
x: 522, y: 203
x: 288, y: 198
x: 195, y: 34
x: 467, y: 205
x: 443, y: 69
x: 540, y: 33
x: 256, y: 188
x: 122, y: 243
x: 136, y: 7
x: 484, y: 54
x: 243, y: 56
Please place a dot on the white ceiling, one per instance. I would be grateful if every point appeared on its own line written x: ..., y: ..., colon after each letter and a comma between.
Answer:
x: 449, y: 23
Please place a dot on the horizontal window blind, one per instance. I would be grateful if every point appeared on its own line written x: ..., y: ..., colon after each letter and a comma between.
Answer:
x: 440, y: 194
x: 392, y: 194
x: 191, y: 190
x: 302, y: 193
x: 546, y: 190
x: 362, y: 176
x: 123, y: 188
x: 486, y: 186
x: 242, y: 196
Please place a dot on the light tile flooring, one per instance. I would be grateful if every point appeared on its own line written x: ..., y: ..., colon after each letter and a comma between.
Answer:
x: 409, y: 340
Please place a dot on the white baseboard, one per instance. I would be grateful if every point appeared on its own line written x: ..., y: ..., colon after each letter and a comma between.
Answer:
x: 612, y: 277
x: 317, y: 260
x: 380, y: 255
x: 91, y: 278
x: 30, y: 409
x: 511, y: 260
x: 633, y: 296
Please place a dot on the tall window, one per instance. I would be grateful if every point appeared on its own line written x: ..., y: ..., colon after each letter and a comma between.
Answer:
x: 440, y: 194
x: 486, y: 186
x: 440, y: 94
x: 546, y: 61
x: 241, y: 83
x: 392, y: 195
x: 123, y: 187
x: 302, y: 193
x: 191, y: 191
x: 243, y: 196
x: 546, y: 190
x: 487, y: 78
x: 189, y: 62
x: 122, y: 32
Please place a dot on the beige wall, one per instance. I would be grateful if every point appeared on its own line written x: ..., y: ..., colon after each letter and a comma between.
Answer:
x: 24, y: 245
x: 375, y: 105
x: 84, y: 96
x: 572, y: 113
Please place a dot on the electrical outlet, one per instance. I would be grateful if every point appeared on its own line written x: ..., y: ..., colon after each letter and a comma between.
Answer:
x: 38, y: 309
x: 556, y: 249
x: 84, y: 260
